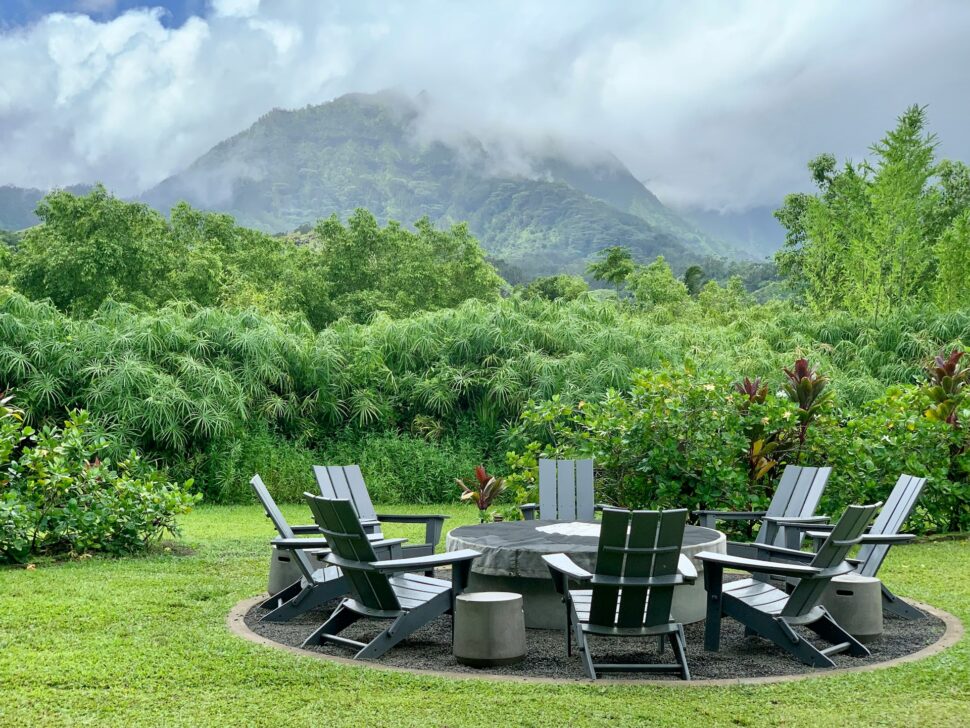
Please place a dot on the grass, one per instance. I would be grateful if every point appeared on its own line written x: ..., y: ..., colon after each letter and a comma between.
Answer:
x: 143, y: 641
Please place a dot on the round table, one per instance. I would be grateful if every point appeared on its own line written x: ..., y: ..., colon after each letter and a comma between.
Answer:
x: 511, y: 560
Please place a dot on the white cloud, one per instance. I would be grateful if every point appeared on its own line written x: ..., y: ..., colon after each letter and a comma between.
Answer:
x: 235, y: 8
x: 711, y: 104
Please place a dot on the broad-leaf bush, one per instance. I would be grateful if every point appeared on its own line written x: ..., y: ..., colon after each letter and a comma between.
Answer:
x: 676, y: 437
x: 57, y: 496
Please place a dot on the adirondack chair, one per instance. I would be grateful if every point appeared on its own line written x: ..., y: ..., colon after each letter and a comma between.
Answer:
x: 378, y: 588
x: 347, y: 482
x: 872, y: 553
x: 316, y: 585
x: 771, y: 612
x: 794, y: 501
x: 565, y: 491
x: 638, y: 564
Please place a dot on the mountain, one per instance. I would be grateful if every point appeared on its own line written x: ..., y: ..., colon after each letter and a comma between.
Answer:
x: 754, y: 230
x: 17, y: 205
x: 294, y: 167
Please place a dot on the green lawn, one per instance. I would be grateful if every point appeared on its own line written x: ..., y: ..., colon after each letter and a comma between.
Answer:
x: 143, y: 641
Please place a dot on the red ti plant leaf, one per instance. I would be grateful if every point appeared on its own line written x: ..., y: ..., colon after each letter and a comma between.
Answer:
x: 489, y: 488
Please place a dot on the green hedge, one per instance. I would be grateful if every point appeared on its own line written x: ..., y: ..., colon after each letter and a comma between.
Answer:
x: 398, y: 468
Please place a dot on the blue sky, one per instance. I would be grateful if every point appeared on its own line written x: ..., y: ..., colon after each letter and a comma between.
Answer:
x: 15, y: 13
x: 716, y: 104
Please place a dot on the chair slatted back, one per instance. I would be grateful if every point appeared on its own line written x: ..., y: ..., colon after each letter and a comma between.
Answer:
x: 636, y: 545
x: 346, y: 482
x: 279, y: 521
x: 339, y: 522
x: 890, y: 521
x: 844, y: 535
x: 566, y: 490
x: 797, y: 496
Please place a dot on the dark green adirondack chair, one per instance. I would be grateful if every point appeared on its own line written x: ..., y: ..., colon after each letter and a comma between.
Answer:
x: 347, y: 482
x: 638, y: 564
x: 565, y: 491
x: 884, y: 533
x: 771, y: 612
x: 795, y: 500
x: 317, y: 585
x: 382, y: 589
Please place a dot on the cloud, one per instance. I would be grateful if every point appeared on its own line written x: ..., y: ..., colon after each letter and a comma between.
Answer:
x: 717, y: 105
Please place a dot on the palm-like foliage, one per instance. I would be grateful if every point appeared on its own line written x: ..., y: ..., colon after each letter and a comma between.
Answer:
x: 174, y: 380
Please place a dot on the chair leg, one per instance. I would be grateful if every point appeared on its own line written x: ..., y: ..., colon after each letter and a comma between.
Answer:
x: 780, y: 633
x: 401, y: 628
x: 678, y: 641
x: 896, y: 606
x: 569, y: 629
x: 338, y: 622
x: 309, y: 598
x: 283, y: 595
x: 584, y: 655
x: 830, y: 630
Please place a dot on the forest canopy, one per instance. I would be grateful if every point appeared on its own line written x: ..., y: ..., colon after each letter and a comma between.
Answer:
x: 95, y: 247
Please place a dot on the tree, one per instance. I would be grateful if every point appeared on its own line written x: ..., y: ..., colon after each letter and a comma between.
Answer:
x: 614, y: 266
x: 656, y: 285
x: 694, y: 279
x: 558, y: 287
x: 391, y: 269
x: 96, y: 246
x: 876, y: 235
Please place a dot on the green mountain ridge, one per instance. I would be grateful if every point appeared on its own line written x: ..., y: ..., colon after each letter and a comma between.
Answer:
x: 17, y: 204
x: 291, y: 168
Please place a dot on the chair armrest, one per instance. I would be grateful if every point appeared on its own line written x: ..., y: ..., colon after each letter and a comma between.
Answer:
x: 564, y: 565
x: 781, y: 552
x: 798, y: 522
x: 423, y: 563
x: 686, y: 569
x: 888, y: 538
x: 394, y: 518
x: 563, y: 570
x: 756, y: 565
x: 733, y: 515
x: 295, y: 544
x: 311, y: 528
x: 433, y: 525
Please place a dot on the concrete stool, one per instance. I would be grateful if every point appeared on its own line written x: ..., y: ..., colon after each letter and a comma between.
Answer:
x: 489, y: 629
x: 855, y: 602
x: 283, y: 569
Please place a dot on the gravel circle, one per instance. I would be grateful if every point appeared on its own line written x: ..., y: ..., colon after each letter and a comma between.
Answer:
x: 739, y: 657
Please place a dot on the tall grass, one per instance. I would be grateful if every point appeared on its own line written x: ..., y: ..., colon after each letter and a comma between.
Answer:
x: 181, y: 380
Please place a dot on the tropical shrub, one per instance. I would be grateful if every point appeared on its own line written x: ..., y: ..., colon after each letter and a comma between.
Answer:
x: 59, y: 497
x: 677, y: 437
x: 187, y: 385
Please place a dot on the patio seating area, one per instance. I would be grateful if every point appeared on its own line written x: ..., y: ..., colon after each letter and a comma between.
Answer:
x: 632, y: 592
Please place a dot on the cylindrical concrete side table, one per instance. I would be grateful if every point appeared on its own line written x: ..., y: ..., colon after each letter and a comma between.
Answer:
x: 855, y: 602
x: 489, y: 629
x: 283, y: 569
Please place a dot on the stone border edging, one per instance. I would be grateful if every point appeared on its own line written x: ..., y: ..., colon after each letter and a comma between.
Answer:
x: 952, y: 634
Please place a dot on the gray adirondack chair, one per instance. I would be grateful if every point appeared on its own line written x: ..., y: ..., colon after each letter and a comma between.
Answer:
x: 347, y: 482
x: 565, y: 491
x: 771, y: 612
x: 379, y: 589
x: 317, y: 585
x: 794, y: 501
x: 884, y: 533
x: 638, y: 564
